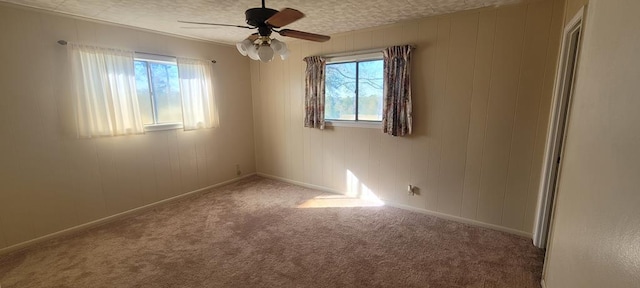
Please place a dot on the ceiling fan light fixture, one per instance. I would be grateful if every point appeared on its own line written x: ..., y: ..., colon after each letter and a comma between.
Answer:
x: 243, y: 47
x: 278, y: 46
x: 252, y: 52
x: 285, y: 54
x: 265, y: 52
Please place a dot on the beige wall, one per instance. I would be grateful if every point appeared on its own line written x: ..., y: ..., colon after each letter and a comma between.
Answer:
x: 482, y: 86
x: 596, y: 231
x: 50, y: 181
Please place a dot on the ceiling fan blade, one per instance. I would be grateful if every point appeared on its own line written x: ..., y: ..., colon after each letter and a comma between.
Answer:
x: 285, y: 17
x: 253, y: 37
x: 304, y: 35
x: 216, y: 24
x: 198, y: 28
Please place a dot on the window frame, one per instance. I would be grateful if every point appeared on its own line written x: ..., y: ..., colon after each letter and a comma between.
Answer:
x: 155, y: 58
x: 355, y: 58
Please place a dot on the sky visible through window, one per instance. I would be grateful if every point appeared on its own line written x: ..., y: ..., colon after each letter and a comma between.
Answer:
x: 341, y: 89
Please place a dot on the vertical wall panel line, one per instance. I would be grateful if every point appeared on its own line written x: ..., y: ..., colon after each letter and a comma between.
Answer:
x: 466, y: 150
x: 515, y: 112
x: 444, y: 104
x: 486, y: 120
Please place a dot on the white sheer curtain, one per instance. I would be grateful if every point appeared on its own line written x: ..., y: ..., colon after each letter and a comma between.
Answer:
x: 105, y: 91
x: 198, y: 102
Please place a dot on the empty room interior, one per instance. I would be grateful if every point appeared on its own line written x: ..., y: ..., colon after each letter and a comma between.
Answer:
x: 280, y: 143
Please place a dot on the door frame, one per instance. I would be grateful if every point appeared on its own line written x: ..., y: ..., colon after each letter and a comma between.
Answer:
x: 563, y: 91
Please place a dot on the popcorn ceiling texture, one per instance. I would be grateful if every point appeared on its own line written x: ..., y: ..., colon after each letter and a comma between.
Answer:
x: 323, y: 17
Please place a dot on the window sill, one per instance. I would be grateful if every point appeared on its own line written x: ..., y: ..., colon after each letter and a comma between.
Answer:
x: 161, y: 127
x: 354, y: 124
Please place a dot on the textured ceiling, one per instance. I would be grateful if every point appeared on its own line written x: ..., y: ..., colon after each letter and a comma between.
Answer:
x: 322, y: 16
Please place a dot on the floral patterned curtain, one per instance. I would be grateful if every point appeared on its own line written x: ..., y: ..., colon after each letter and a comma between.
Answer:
x: 396, y: 113
x: 314, y: 92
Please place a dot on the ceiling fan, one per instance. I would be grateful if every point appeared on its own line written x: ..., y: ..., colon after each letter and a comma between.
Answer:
x: 260, y: 46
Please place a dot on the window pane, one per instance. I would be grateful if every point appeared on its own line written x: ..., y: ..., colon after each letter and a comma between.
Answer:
x: 370, y: 90
x: 340, y: 91
x: 142, y: 89
x: 166, y: 92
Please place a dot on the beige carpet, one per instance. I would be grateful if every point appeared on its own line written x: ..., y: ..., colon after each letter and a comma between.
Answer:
x: 253, y: 234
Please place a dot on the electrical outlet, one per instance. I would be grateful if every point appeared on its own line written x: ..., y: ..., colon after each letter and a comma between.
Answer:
x: 238, y: 171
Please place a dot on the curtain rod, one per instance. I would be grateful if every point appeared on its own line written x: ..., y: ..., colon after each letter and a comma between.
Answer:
x: 358, y: 52
x: 64, y: 43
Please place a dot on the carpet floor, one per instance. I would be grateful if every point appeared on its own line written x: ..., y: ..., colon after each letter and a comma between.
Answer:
x: 259, y: 232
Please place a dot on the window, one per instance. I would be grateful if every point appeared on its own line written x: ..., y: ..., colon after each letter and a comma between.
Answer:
x: 158, y: 90
x: 114, y: 97
x: 354, y: 88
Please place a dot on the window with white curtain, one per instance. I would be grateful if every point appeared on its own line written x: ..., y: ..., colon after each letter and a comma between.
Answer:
x: 105, y: 91
x: 198, y: 102
x: 120, y: 92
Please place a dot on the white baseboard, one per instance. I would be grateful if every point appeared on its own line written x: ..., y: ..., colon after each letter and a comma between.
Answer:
x: 124, y: 214
x: 411, y: 208
x: 542, y: 284
x: 114, y: 217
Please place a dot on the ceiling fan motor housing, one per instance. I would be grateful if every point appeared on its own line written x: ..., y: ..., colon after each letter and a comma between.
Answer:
x: 257, y: 16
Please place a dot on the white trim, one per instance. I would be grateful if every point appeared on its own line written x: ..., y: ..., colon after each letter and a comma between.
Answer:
x: 542, y: 283
x: 114, y: 217
x: 544, y: 214
x: 163, y: 126
x: 406, y: 207
x: 354, y: 124
x: 461, y: 220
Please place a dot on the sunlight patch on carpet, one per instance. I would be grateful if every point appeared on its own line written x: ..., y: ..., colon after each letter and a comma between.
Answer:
x: 338, y: 201
x: 357, y: 195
